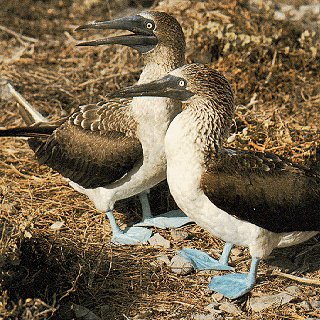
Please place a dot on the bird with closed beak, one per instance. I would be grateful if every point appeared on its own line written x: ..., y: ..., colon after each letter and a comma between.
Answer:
x: 247, y: 198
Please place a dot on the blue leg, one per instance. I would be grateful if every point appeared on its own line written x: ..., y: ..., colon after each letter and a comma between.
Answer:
x: 225, y: 253
x: 236, y: 285
x: 171, y: 219
x: 133, y: 235
x: 146, y: 210
x: 202, y: 261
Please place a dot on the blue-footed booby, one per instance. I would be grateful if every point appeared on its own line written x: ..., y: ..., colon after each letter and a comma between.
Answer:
x: 246, y: 198
x: 114, y: 150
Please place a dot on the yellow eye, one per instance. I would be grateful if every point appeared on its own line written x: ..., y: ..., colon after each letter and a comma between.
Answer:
x: 182, y: 83
x: 149, y: 25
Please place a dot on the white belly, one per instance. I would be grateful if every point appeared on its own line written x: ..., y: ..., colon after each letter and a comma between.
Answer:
x: 154, y: 116
x: 184, y: 171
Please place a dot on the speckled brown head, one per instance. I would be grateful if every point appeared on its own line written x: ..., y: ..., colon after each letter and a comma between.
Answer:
x: 152, y: 31
x: 197, y: 85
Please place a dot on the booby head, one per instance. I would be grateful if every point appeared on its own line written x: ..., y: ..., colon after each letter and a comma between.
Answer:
x: 193, y: 84
x: 150, y: 29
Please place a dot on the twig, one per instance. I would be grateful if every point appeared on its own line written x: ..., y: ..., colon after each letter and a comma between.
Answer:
x: 183, y: 303
x: 28, y: 113
x: 308, y: 249
x: 272, y: 66
x: 19, y: 36
x: 16, y: 171
x: 252, y: 101
x: 295, y: 278
x: 73, y: 288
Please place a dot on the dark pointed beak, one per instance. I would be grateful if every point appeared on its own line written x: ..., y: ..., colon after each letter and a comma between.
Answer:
x: 167, y: 86
x: 142, y: 39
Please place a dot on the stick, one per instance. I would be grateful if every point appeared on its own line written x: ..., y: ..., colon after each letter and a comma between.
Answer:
x: 295, y: 278
x: 29, y: 114
x: 19, y: 36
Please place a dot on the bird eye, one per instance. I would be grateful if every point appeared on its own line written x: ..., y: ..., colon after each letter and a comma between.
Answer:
x: 182, y: 83
x: 149, y: 25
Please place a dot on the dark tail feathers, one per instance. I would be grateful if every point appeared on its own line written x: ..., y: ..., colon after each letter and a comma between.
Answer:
x: 33, y: 131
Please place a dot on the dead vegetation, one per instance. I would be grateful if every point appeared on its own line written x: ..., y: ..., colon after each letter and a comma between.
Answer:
x: 274, y: 68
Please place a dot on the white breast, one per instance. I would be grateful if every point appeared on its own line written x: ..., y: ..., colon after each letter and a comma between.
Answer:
x: 184, y: 170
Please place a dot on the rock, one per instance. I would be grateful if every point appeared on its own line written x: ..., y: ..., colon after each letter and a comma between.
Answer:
x: 213, y: 308
x: 260, y: 303
x: 236, y: 253
x: 203, y: 316
x: 294, y: 290
x: 8, y: 208
x: 279, y: 15
x: 217, y: 296
x: 229, y: 307
x: 159, y: 240
x: 179, y: 234
x: 305, y: 305
x: 83, y: 313
x: 315, y: 304
x: 57, y: 225
x: 163, y: 259
x: 180, y: 265
x: 143, y: 315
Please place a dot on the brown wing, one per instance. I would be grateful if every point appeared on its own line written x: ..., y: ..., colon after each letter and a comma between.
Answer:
x: 265, y: 190
x: 94, y: 147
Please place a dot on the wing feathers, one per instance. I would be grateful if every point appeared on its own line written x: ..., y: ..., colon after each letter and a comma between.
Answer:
x: 265, y: 190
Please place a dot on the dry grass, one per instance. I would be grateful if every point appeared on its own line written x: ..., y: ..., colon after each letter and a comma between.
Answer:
x: 274, y: 72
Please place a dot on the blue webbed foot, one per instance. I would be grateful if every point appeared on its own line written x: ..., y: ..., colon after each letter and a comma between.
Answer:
x: 202, y: 261
x: 132, y: 235
x: 231, y: 285
x: 235, y: 285
x: 171, y: 219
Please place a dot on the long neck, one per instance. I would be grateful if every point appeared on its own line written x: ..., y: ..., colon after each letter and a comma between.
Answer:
x: 210, y: 126
x: 147, y: 110
x: 159, y: 63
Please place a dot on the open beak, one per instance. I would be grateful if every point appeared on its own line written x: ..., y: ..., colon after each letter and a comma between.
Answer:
x: 141, y: 39
x: 167, y: 86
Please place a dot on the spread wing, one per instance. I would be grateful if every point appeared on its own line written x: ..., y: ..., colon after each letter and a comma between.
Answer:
x: 265, y: 190
x: 93, y: 147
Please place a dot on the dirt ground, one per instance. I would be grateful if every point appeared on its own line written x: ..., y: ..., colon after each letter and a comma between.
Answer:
x: 274, y: 69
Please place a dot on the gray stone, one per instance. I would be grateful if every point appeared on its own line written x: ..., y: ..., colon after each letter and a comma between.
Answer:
x: 260, y: 303
x: 305, y: 305
x: 57, y: 225
x: 163, y: 259
x: 217, y: 296
x: 179, y: 234
x: 294, y: 290
x: 143, y: 315
x: 81, y: 312
x: 180, y: 265
x: 159, y: 240
x: 315, y: 304
x: 203, y: 316
x: 231, y: 308
x: 213, y: 308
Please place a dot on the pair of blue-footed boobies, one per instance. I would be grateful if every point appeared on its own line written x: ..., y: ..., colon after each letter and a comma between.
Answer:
x: 115, y: 149
x: 246, y: 198
x: 243, y: 197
